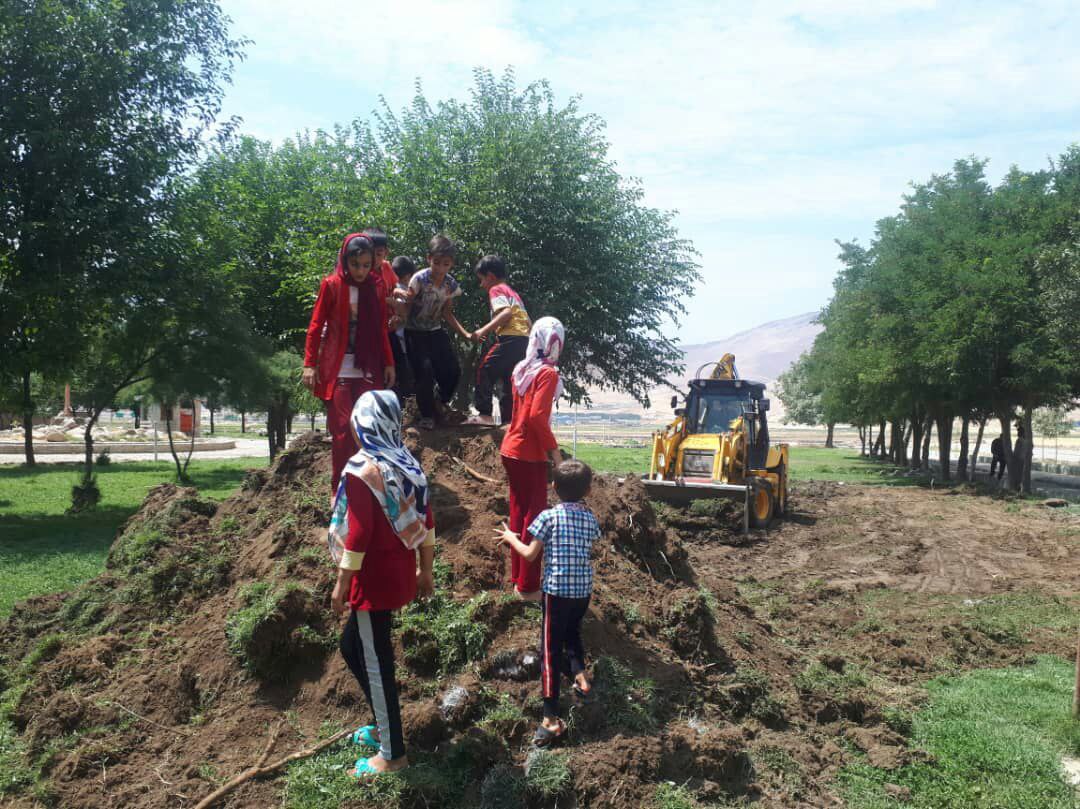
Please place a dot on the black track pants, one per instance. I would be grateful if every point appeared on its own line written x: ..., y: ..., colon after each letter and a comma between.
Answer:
x: 369, y: 652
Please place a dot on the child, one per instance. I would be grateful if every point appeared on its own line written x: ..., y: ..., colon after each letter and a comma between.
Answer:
x: 511, y: 325
x: 430, y: 301
x: 382, y: 267
x: 347, y: 351
x: 404, y: 269
x: 529, y: 443
x: 564, y: 534
x: 381, y: 518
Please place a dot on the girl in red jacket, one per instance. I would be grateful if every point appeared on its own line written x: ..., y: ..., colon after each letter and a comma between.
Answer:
x: 348, y: 350
x: 529, y: 443
x: 382, y: 519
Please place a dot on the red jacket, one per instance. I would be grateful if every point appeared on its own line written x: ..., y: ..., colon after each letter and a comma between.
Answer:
x: 387, y: 578
x: 529, y: 437
x: 327, y: 333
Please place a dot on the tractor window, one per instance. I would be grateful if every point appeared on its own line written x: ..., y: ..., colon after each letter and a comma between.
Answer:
x: 715, y: 413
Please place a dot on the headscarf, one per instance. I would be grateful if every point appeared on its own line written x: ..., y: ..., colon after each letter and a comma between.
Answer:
x: 342, y: 267
x: 545, y: 345
x: 388, y: 469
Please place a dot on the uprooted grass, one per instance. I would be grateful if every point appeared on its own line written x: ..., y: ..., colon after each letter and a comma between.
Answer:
x: 994, y: 738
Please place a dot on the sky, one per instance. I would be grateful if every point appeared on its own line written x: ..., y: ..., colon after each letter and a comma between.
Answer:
x: 772, y: 128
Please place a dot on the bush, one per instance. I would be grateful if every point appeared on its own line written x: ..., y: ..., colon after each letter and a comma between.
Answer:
x: 442, y: 635
x: 103, y: 458
x: 85, y: 495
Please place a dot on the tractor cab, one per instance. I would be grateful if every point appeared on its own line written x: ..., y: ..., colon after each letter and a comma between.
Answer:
x: 718, y: 406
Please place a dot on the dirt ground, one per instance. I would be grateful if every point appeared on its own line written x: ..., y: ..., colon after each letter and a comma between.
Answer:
x: 747, y: 668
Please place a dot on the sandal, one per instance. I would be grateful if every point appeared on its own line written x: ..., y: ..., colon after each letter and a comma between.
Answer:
x: 364, y: 770
x: 544, y: 737
x: 366, y: 736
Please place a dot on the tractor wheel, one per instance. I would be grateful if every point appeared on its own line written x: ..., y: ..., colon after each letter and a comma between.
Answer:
x: 762, y: 504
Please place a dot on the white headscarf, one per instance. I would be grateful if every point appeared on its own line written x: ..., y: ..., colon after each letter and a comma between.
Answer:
x: 545, y: 345
x: 389, y: 470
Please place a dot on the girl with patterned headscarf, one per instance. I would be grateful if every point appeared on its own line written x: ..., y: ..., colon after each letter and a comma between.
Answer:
x: 382, y: 523
x: 529, y: 444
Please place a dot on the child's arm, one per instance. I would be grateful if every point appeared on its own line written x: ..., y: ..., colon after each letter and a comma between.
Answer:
x: 501, y: 318
x: 539, y: 416
x: 451, y: 318
x: 425, y: 578
x: 361, y: 514
x: 527, y: 552
x: 314, y: 336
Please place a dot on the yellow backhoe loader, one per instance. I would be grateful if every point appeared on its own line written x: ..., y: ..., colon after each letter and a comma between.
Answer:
x: 718, y: 447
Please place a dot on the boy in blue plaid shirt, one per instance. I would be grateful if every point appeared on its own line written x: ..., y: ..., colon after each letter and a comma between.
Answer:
x: 564, y: 534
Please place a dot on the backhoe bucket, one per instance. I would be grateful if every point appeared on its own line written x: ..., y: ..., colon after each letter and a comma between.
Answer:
x: 682, y: 492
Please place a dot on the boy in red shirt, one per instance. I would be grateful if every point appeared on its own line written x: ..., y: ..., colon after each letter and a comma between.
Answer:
x: 382, y: 523
x: 347, y: 351
x: 510, y: 323
x: 529, y: 444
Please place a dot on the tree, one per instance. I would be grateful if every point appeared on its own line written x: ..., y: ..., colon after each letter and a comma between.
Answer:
x: 99, y: 104
x: 802, y: 403
x: 1051, y: 422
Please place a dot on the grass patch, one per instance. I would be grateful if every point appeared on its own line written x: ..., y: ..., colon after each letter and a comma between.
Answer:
x: 440, y: 634
x: 261, y: 633
x: 994, y: 738
x: 820, y: 681
x: 44, y: 550
x: 547, y: 775
x: 617, y: 460
x: 629, y: 702
x: 673, y: 796
x: 845, y: 465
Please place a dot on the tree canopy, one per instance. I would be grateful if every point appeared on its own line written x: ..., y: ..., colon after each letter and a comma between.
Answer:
x: 963, y: 306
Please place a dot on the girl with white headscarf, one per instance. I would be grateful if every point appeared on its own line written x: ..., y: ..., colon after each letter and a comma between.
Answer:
x: 382, y: 522
x: 529, y: 444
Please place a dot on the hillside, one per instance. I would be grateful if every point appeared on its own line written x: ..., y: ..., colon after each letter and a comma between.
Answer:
x: 762, y: 353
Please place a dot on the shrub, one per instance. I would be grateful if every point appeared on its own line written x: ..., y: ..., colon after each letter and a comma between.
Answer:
x: 547, y: 774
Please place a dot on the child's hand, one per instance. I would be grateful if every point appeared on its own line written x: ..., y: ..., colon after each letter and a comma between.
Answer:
x: 339, y: 598
x: 389, y: 376
x: 310, y: 378
x: 425, y: 583
x: 395, y: 322
x: 504, y: 535
x: 476, y: 337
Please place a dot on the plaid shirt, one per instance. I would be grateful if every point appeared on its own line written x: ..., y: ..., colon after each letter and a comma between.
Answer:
x: 567, y: 531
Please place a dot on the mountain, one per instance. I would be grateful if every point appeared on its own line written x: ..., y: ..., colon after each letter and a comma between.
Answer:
x: 761, y: 353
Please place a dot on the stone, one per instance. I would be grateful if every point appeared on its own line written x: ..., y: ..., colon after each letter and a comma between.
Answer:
x: 898, y: 792
x: 1055, y: 502
x: 56, y: 437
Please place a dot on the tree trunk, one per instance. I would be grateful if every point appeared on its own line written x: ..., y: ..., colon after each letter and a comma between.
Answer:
x: 277, y: 427
x: 978, y: 445
x: 881, y: 440
x: 288, y: 423
x: 88, y: 442
x: 243, y: 422
x: 271, y: 436
x: 1029, y: 451
x: 311, y: 417
x: 944, y: 439
x: 1005, y: 418
x: 862, y: 441
x: 829, y: 434
x: 211, y: 420
x: 180, y: 470
x: 962, y: 461
x: 916, y: 439
x: 138, y: 414
x: 928, y: 431
x: 28, y: 421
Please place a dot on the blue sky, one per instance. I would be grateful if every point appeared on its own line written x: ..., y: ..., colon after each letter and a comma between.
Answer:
x: 773, y: 128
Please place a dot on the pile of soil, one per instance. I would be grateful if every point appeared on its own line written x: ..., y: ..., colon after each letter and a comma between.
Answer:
x: 731, y: 668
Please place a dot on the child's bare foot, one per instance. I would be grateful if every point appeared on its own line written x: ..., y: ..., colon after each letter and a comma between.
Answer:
x: 533, y: 596
x: 550, y: 731
x: 377, y: 764
x: 583, y: 688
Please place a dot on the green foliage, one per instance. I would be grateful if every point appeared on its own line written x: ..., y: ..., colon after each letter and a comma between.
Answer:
x: 441, y: 634
x: 821, y: 681
x: 502, y: 788
x: 673, y: 796
x: 547, y: 774
x: 259, y: 634
x: 994, y: 739
x: 957, y: 309
x: 629, y: 702
x: 800, y: 392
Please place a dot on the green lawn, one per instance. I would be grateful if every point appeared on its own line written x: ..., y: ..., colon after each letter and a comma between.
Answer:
x: 43, y: 550
x: 995, y: 739
x: 807, y: 463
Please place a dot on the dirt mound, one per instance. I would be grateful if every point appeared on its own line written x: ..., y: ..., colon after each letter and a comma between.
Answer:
x: 161, y: 678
